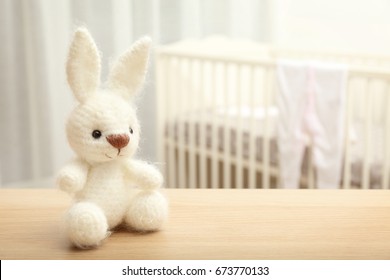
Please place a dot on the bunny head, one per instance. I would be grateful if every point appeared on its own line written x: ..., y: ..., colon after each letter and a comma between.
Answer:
x: 104, y: 126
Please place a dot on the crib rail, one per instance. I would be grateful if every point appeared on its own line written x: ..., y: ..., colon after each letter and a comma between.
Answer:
x: 216, y: 124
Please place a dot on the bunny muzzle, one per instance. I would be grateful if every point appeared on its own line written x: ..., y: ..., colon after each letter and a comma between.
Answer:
x: 118, y: 141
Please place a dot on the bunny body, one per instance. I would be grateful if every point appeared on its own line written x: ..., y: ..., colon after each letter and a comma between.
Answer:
x: 111, y: 193
x: 109, y: 187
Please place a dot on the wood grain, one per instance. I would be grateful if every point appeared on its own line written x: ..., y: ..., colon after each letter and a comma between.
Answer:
x: 213, y: 224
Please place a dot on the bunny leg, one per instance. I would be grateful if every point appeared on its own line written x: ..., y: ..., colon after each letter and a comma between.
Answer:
x: 147, y: 212
x: 86, y: 225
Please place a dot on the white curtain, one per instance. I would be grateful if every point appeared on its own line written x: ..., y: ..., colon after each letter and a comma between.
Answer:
x: 34, y: 96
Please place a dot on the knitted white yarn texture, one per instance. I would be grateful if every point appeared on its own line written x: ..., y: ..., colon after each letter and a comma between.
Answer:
x: 109, y: 187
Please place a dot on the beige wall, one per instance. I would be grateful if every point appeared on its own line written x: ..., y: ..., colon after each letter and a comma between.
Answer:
x: 357, y: 25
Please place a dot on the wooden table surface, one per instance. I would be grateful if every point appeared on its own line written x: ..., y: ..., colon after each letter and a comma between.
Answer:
x: 213, y: 224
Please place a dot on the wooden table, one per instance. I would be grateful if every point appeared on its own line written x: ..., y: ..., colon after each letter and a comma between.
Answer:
x: 213, y: 224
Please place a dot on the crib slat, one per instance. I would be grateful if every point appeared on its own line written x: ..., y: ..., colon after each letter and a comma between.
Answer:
x: 386, y: 127
x: 192, y: 96
x: 367, y: 136
x: 266, y: 130
x: 226, y: 136
x: 202, y: 128
x: 347, y: 141
x: 252, y: 133
x: 239, y: 120
x: 214, y: 128
x: 170, y: 103
x: 181, y: 126
x: 161, y: 66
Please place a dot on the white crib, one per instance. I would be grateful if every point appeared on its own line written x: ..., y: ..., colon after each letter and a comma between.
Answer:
x: 217, y: 116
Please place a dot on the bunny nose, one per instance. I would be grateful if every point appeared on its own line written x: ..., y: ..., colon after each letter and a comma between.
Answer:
x: 118, y: 140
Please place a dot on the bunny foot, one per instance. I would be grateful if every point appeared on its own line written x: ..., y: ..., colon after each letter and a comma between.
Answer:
x: 86, y: 225
x: 148, y: 211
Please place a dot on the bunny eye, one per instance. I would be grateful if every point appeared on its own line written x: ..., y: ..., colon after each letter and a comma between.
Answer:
x: 131, y: 130
x: 96, y: 134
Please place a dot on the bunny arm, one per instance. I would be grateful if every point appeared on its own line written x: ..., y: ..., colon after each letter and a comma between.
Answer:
x: 73, y: 176
x: 144, y: 175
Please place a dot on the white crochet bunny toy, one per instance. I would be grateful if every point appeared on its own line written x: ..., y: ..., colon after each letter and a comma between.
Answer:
x: 109, y: 187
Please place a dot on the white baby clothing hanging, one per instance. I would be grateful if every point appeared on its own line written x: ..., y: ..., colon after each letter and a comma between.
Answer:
x: 311, y: 103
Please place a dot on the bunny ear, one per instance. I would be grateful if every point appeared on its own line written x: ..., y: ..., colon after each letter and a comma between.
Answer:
x: 128, y: 73
x: 83, y: 66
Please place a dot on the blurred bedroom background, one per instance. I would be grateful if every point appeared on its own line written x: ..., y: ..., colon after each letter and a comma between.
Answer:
x: 34, y: 96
